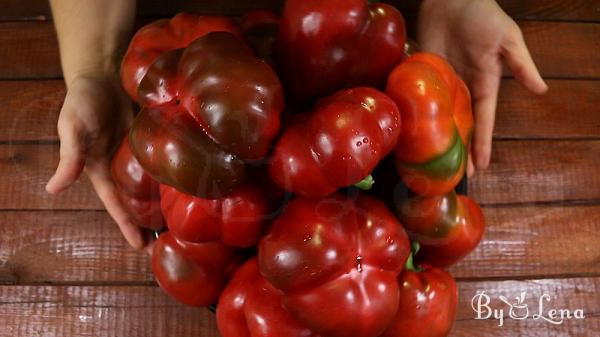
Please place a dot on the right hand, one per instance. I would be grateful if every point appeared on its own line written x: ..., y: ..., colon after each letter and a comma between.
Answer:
x: 94, y: 117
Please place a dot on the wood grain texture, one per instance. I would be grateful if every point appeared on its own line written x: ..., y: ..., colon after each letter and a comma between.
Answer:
x: 131, y: 311
x: 86, y: 246
x: 528, y: 242
x: 30, y: 110
x: 579, y: 10
x: 578, y: 43
x: 570, y: 293
x: 569, y: 110
x: 24, y: 172
x: 29, y: 49
x: 539, y: 171
x: 576, y: 10
x: 55, y: 246
x: 145, y: 311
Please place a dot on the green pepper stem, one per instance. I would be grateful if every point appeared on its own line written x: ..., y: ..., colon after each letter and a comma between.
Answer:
x: 365, y: 184
x: 410, y: 262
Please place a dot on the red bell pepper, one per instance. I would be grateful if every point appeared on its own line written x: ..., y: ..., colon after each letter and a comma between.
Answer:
x: 237, y: 219
x: 137, y: 191
x: 193, y: 273
x: 208, y: 107
x: 164, y: 35
x: 260, y: 28
x: 338, y: 144
x: 336, y: 261
x: 428, y: 302
x: 448, y: 226
x: 324, y: 46
x: 437, y: 123
x: 251, y: 307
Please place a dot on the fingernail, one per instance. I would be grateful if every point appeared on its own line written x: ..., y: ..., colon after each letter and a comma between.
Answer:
x: 49, y: 188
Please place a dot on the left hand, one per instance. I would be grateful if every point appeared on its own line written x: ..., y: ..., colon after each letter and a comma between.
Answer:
x: 477, y: 37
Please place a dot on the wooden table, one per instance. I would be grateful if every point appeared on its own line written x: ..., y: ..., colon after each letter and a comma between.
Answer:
x: 66, y: 271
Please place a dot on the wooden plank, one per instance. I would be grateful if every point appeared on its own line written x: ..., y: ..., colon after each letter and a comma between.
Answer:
x: 578, y: 10
x: 28, y: 50
x: 30, y: 110
x: 103, y: 311
x: 570, y: 110
x: 539, y: 171
x: 24, y: 171
x: 143, y: 311
x: 524, y: 242
x: 564, y: 49
x: 86, y: 246
x: 560, y: 49
x: 58, y: 246
x: 520, y: 172
x: 575, y: 10
x: 573, y: 293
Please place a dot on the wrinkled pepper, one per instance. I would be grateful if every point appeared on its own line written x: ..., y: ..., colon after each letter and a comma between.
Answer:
x: 338, y: 144
x: 336, y: 260
x: 193, y: 273
x: 448, y: 226
x: 237, y: 220
x: 251, y: 307
x: 325, y: 46
x: 428, y: 303
x: 437, y: 123
x: 208, y: 106
x: 137, y: 191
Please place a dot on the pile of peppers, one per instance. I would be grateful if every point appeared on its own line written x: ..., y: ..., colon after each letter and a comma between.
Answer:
x: 251, y: 157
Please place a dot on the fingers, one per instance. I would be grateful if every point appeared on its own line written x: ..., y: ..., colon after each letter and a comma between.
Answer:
x: 485, y: 96
x: 101, y: 180
x: 470, y: 165
x: 72, y: 159
x: 519, y: 61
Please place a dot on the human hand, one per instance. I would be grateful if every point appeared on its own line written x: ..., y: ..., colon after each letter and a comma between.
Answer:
x: 477, y: 37
x: 94, y: 117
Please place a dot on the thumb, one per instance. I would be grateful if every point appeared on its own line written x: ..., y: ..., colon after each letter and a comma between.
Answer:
x: 519, y: 61
x: 72, y: 159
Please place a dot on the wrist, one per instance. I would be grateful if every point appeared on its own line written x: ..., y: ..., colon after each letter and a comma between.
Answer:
x: 92, y: 35
x: 100, y: 59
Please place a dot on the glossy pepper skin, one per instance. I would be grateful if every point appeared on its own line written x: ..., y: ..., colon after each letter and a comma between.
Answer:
x: 437, y: 123
x: 207, y: 109
x: 324, y: 46
x: 193, y: 273
x: 448, y: 226
x: 237, y: 219
x: 137, y: 191
x: 336, y: 261
x: 428, y: 302
x: 338, y: 144
x: 164, y: 35
x: 251, y: 307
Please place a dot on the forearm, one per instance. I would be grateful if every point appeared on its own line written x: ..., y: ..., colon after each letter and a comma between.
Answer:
x: 92, y: 34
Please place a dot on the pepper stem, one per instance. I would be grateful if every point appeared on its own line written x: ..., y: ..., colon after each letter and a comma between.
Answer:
x: 365, y: 184
x: 410, y: 262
